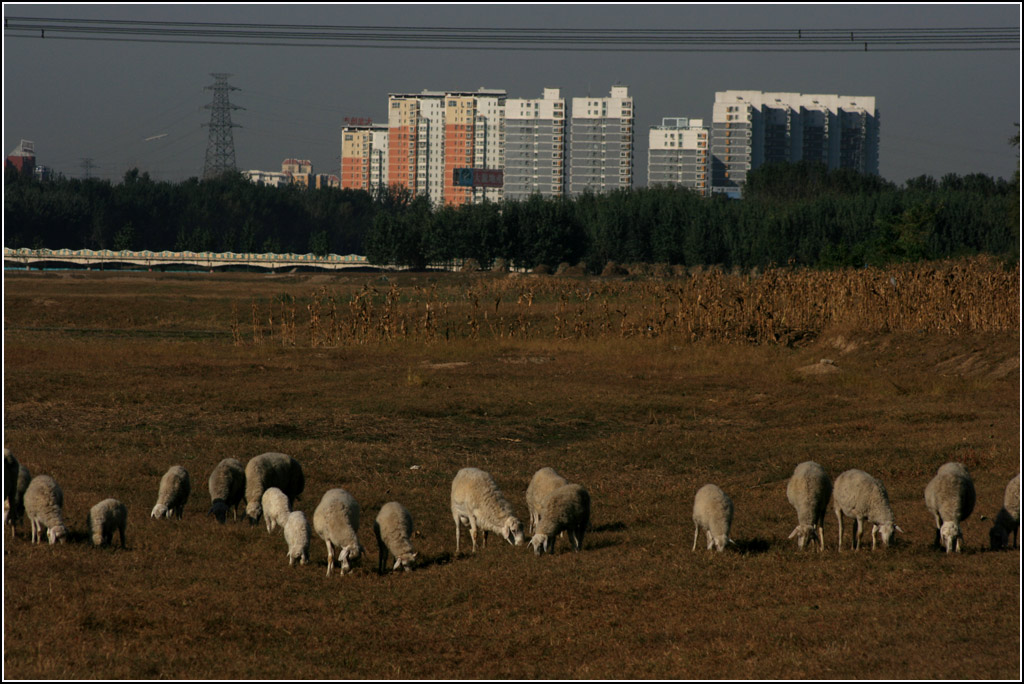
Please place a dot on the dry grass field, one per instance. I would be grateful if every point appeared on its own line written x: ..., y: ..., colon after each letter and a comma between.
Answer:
x: 642, y: 389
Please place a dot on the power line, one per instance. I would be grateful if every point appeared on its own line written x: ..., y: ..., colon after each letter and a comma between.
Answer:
x: 547, y: 39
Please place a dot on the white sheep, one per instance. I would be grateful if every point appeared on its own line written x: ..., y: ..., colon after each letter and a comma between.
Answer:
x: 712, y: 512
x: 808, y: 491
x: 175, y: 487
x: 14, y: 510
x: 105, y: 518
x: 544, y: 481
x: 44, y: 500
x: 393, y: 529
x: 857, y: 495
x: 1008, y: 519
x: 950, y: 497
x: 296, y: 535
x: 275, y: 508
x: 336, y: 521
x: 565, y: 509
x: 478, y: 503
x: 271, y: 470
x: 227, y: 488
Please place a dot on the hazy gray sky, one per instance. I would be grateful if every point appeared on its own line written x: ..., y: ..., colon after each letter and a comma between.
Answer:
x: 940, y: 112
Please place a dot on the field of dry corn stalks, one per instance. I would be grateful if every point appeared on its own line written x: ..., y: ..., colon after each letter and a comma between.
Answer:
x: 769, y: 307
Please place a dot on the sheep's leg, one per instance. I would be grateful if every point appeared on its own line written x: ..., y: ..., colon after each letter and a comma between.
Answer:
x: 696, y: 533
x: 330, y: 557
x: 711, y: 539
x: 456, y: 535
x: 839, y: 517
x: 472, y: 532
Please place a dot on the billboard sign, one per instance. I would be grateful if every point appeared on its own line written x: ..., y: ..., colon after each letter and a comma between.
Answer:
x: 478, y: 178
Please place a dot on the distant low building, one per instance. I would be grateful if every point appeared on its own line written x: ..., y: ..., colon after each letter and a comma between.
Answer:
x: 22, y: 159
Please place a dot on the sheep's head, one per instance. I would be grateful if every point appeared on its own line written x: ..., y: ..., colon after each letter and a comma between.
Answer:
x: 405, y: 561
x: 886, y: 531
x: 951, y: 535
x: 219, y: 510
x: 513, y: 531
x: 159, y: 511
x: 802, y: 533
x: 253, y: 512
x: 998, y: 537
x: 539, y: 543
x: 58, y: 533
x: 350, y: 556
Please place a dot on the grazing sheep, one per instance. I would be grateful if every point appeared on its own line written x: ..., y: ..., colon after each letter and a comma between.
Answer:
x: 1008, y: 518
x: 296, y: 535
x: 43, y: 503
x: 544, y: 481
x: 950, y: 498
x: 271, y: 470
x: 808, y: 491
x: 175, y: 486
x: 567, y: 508
x: 106, y: 517
x: 336, y: 520
x: 275, y: 508
x: 712, y: 512
x: 227, y: 488
x: 14, y: 510
x: 477, y: 502
x: 10, y: 474
x: 857, y: 495
x: 393, y: 529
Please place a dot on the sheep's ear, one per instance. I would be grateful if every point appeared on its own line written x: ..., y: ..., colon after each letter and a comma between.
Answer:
x: 984, y: 517
x: 796, y: 530
x: 899, y: 529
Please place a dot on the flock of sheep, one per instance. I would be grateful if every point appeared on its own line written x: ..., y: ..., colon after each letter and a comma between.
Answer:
x: 270, y: 483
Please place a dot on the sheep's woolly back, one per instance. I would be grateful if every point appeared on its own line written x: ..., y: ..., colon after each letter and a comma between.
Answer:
x: 858, y: 495
x: 227, y: 487
x: 1011, y: 499
x: 175, y: 487
x: 950, y: 494
x: 544, y: 481
x: 566, y: 508
x: 275, y: 508
x: 268, y: 470
x: 808, y: 491
x: 296, y: 535
x: 105, y: 518
x: 393, y: 529
x: 712, y: 512
x: 336, y: 518
x: 44, y: 501
x: 475, y: 492
x: 1007, y: 521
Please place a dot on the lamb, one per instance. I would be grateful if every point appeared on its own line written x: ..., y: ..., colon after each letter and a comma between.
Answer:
x: 1008, y: 518
x: 544, y: 481
x: 808, y: 491
x: 44, y: 500
x: 296, y: 535
x: 275, y: 508
x: 862, y: 497
x: 271, y: 470
x: 712, y: 512
x: 336, y: 520
x: 393, y: 529
x: 227, y: 488
x: 567, y: 508
x: 950, y: 498
x: 175, y: 487
x: 478, y: 503
x: 14, y: 509
x: 106, y: 517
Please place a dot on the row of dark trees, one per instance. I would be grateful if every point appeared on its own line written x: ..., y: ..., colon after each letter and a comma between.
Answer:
x: 791, y: 213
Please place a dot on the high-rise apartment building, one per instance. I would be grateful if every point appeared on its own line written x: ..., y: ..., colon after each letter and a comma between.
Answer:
x: 432, y: 133
x: 364, y: 157
x: 535, y: 145
x: 601, y: 142
x: 751, y: 128
x: 678, y: 155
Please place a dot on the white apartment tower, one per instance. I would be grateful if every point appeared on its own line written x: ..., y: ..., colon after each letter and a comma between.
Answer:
x: 535, y: 144
x: 364, y: 157
x: 601, y: 145
x: 751, y: 128
x: 678, y: 155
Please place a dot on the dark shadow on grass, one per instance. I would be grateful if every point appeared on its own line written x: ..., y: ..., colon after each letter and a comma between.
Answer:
x: 752, y: 546
x: 610, y: 527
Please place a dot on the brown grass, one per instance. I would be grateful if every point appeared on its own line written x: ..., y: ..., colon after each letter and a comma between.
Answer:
x: 620, y: 385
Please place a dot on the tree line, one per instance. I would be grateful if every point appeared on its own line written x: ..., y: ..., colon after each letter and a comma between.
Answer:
x: 800, y: 214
